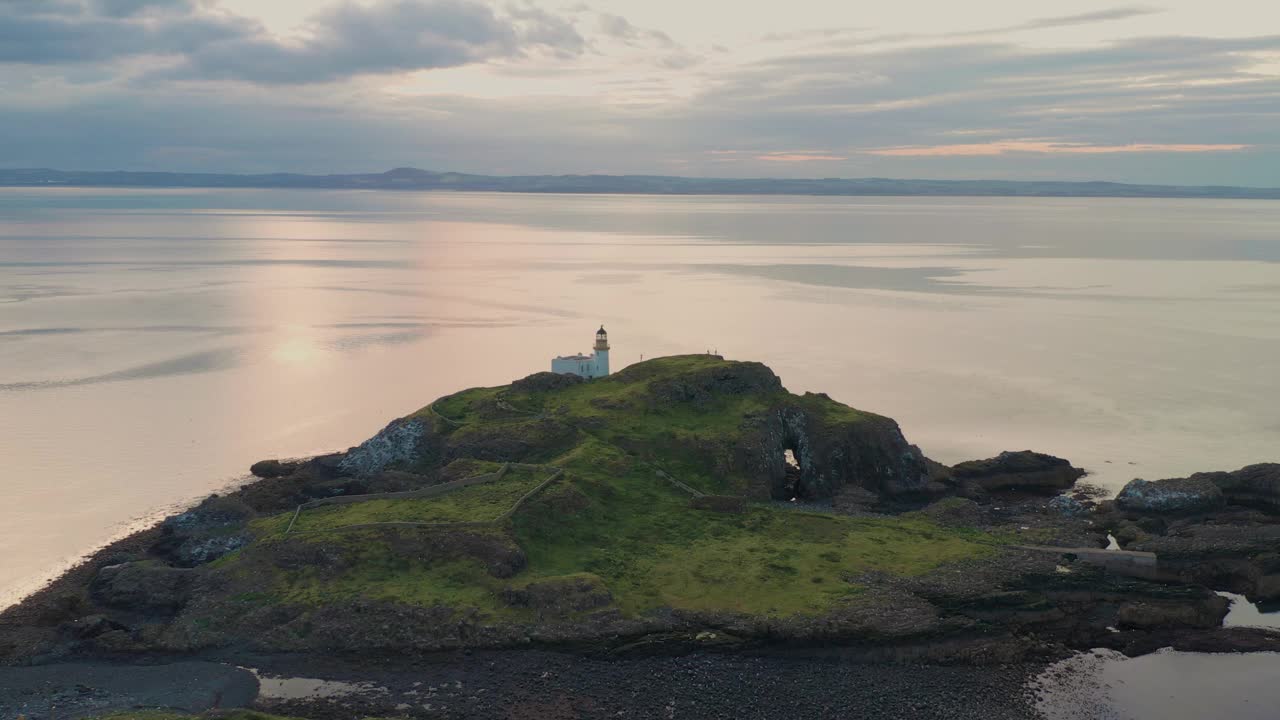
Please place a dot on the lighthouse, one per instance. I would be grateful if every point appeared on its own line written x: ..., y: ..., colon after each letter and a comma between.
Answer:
x: 587, y: 366
x: 602, y: 352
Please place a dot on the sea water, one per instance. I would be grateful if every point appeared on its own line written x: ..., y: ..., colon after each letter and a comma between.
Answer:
x: 154, y: 343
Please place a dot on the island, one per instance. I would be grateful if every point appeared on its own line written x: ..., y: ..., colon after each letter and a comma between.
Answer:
x: 590, y: 544
x: 415, y: 179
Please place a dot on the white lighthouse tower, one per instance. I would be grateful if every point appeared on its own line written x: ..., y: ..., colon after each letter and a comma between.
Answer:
x: 602, y: 352
x: 588, y: 366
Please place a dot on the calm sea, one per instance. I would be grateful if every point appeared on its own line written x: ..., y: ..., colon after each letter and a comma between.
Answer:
x: 154, y: 343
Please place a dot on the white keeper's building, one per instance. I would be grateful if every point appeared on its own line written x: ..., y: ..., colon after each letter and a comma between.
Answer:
x: 588, y: 366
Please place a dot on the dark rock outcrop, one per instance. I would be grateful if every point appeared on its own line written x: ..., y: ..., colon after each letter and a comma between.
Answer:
x: 704, y: 386
x: 835, y: 450
x: 1254, y: 485
x: 267, y: 469
x: 204, y: 533
x: 1173, y: 496
x: 398, y: 442
x: 1149, y: 615
x: 143, y: 586
x: 1216, y: 529
x: 1021, y: 471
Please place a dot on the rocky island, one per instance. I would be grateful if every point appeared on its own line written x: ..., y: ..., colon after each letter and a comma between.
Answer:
x: 684, y: 534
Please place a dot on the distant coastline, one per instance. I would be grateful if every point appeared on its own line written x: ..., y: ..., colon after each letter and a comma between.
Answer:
x: 425, y: 180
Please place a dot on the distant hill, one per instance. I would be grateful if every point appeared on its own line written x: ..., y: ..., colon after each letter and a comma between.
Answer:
x: 415, y: 179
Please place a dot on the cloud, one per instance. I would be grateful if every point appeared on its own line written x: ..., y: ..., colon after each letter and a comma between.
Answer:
x: 1156, y: 109
x: 1120, y: 13
x: 127, y: 8
x: 342, y: 41
x: 1004, y: 147
x: 391, y: 36
x: 798, y: 157
x: 619, y: 28
x: 47, y: 33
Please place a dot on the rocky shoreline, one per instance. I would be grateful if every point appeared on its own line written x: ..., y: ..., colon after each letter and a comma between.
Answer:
x: 534, y: 685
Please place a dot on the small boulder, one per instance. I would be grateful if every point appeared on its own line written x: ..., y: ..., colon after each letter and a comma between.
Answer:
x: 1174, y: 496
x: 1021, y: 471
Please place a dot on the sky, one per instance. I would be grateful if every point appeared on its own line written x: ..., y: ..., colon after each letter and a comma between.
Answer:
x: 1175, y: 91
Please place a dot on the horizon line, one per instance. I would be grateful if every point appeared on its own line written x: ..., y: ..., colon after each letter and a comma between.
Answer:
x: 414, y: 178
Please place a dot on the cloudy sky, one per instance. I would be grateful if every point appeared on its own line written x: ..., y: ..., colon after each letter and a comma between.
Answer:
x: 1176, y: 91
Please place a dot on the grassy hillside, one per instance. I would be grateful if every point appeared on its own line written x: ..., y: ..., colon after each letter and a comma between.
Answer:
x: 610, y: 517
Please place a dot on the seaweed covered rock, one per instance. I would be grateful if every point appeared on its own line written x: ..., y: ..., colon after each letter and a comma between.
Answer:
x: 1175, y: 495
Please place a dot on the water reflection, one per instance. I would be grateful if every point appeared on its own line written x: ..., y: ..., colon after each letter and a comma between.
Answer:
x: 291, y: 688
x: 1247, y: 614
x: 1166, y: 685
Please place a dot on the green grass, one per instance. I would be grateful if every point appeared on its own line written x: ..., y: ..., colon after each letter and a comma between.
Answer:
x: 619, y: 410
x: 382, y: 575
x: 652, y: 550
x: 462, y: 406
x: 478, y: 503
x: 612, y: 517
x: 485, y: 502
x: 786, y: 563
